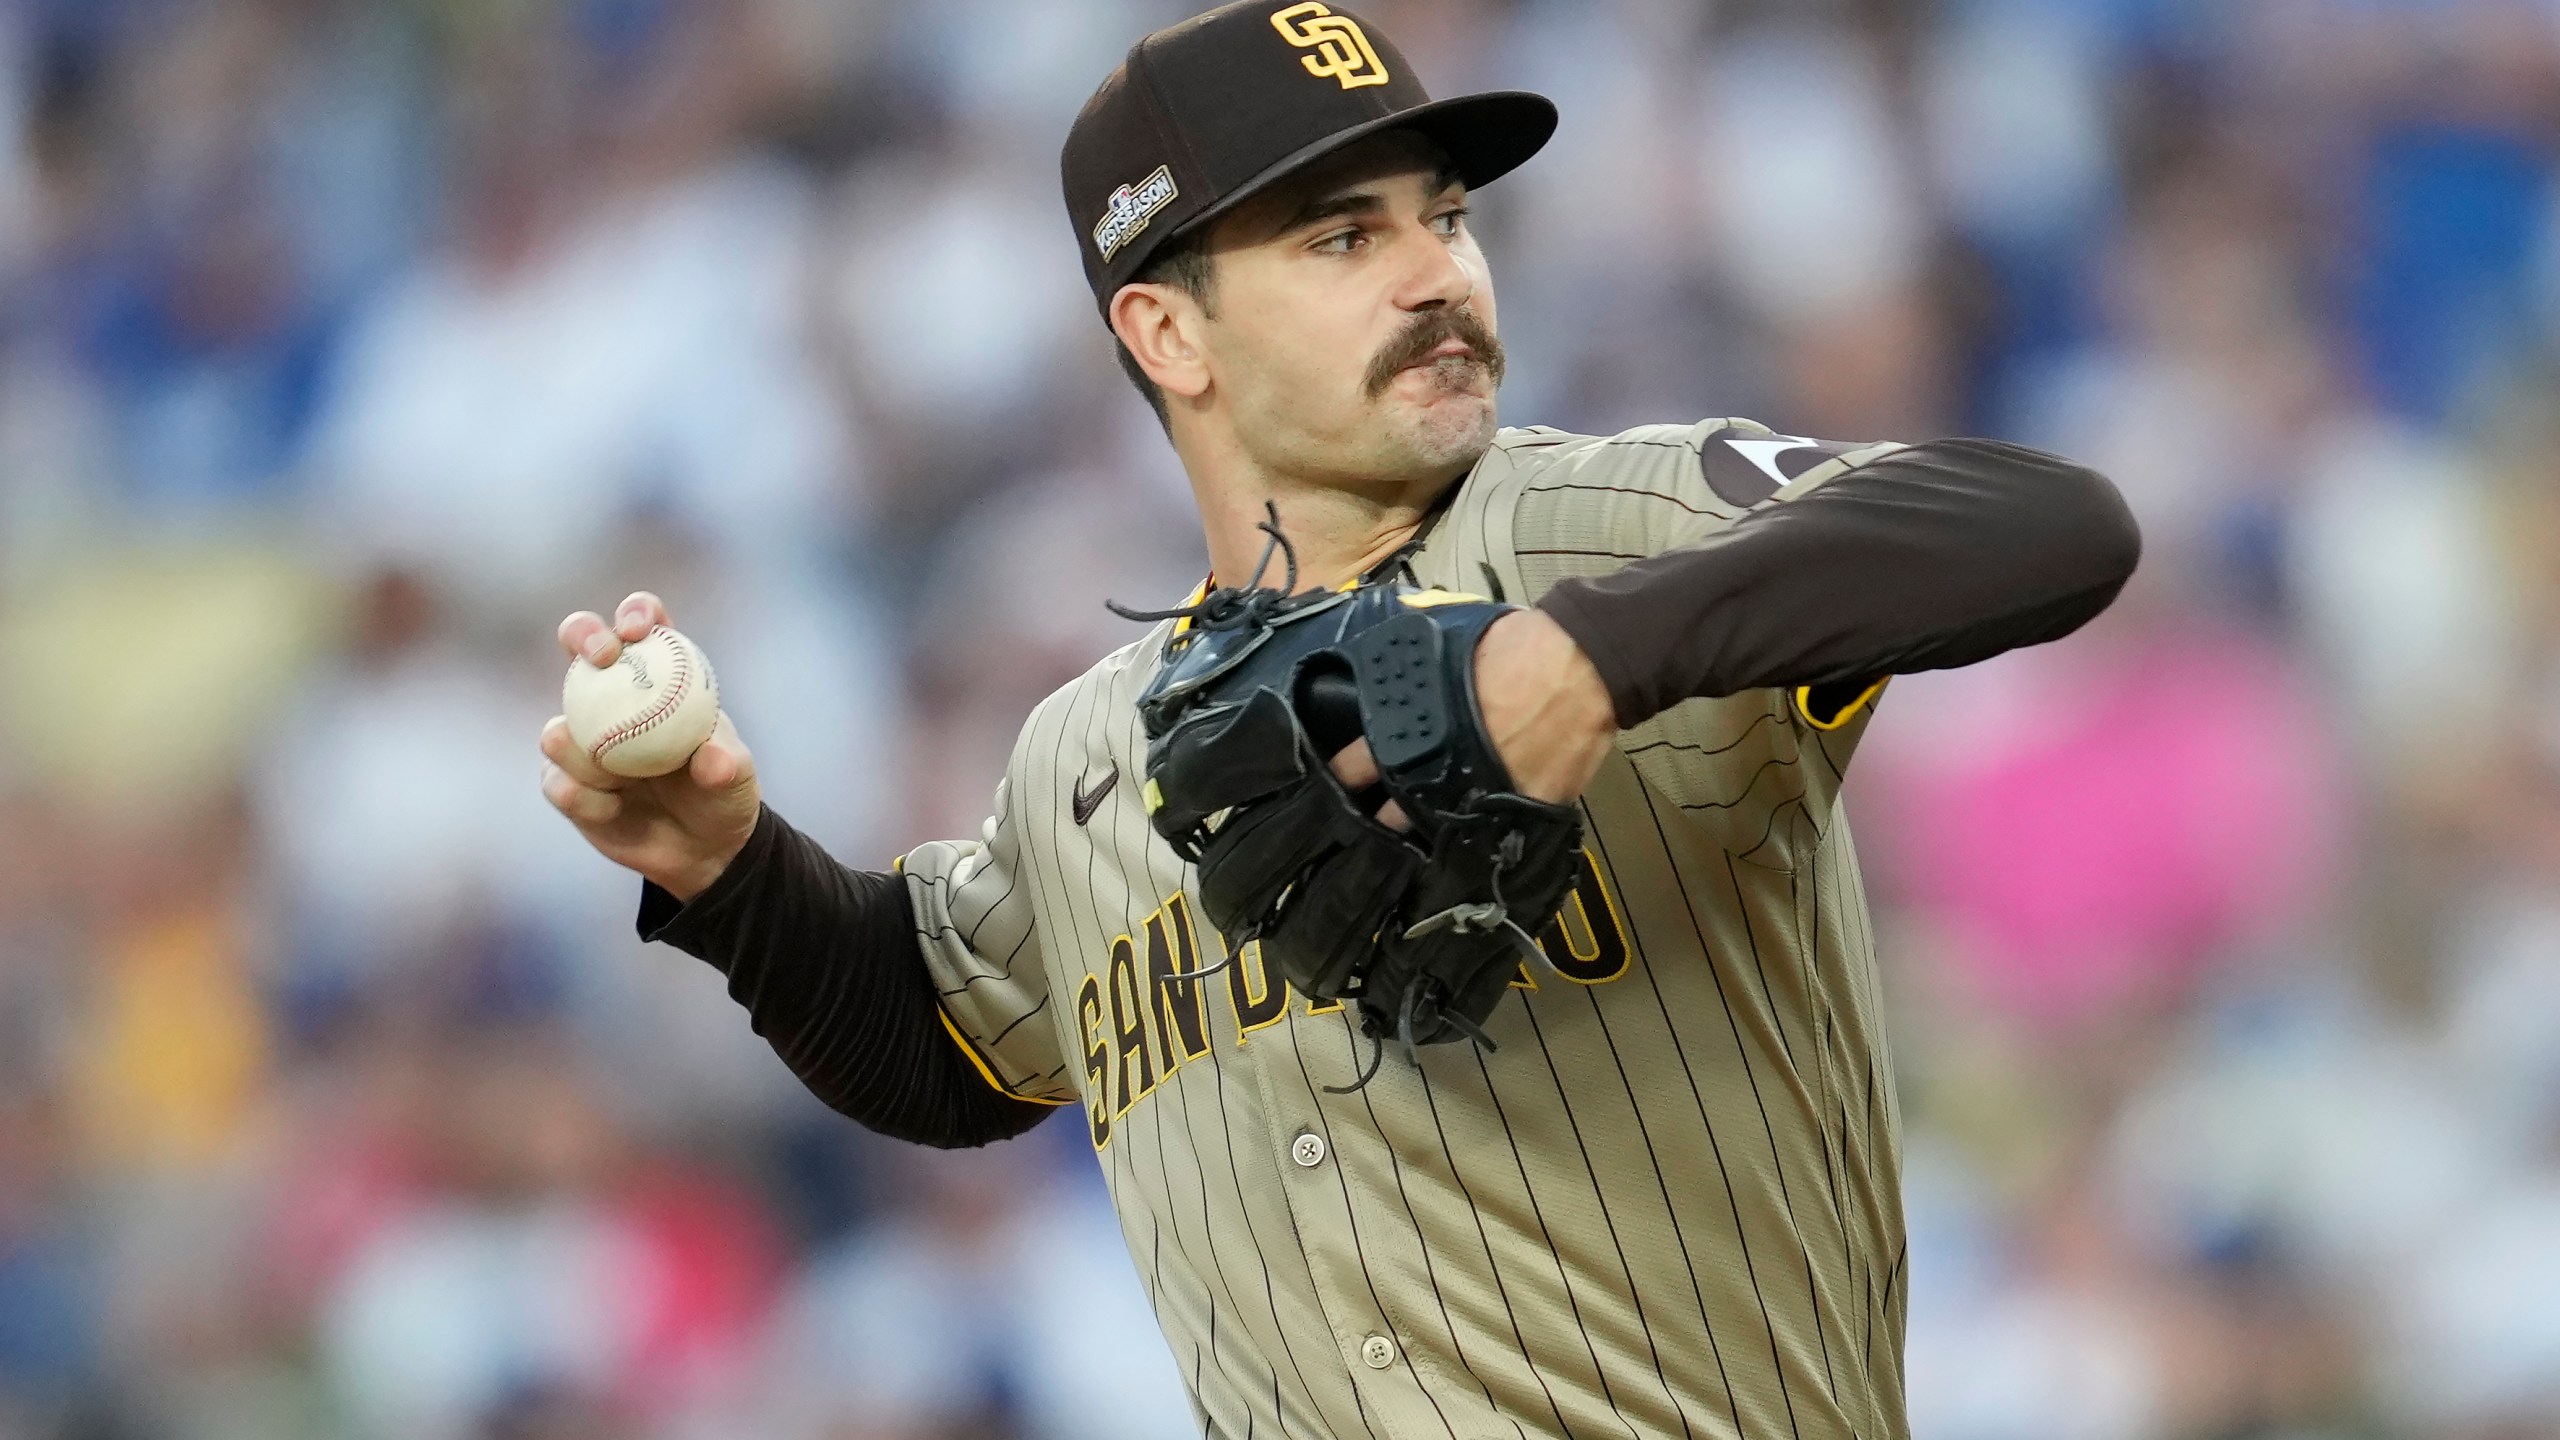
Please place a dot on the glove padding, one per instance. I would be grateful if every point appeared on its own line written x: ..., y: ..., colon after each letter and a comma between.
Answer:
x: 1424, y: 929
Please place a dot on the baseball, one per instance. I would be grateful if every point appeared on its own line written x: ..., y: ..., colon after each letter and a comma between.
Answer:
x: 646, y: 713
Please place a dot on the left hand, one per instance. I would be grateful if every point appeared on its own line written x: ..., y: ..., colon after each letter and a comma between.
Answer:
x: 1544, y: 705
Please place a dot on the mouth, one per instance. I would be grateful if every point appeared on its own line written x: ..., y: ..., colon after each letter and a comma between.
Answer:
x: 1462, y: 354
x: 1450, y: 370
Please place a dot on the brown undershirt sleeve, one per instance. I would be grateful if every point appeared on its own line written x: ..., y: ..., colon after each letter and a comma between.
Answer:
x: 1937, y: 556
x: 824, y: 958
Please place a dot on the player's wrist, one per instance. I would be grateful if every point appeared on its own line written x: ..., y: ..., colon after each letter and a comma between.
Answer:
x: 1528, y: 647
x: 1586, y: 693
x: 687, y: 883
x: 688, y: 877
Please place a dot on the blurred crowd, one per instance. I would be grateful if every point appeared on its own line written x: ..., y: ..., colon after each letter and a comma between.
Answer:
x: 345, y: 345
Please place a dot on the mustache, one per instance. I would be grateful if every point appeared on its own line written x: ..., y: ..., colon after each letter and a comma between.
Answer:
x: 1428, y: 332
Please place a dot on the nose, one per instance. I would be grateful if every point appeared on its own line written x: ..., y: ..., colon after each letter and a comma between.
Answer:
x: 1440, y: 277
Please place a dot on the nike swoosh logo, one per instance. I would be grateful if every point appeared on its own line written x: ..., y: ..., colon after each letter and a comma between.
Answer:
x: 1086, y: 804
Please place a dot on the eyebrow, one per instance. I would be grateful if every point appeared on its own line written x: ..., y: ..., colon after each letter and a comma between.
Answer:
x: 1356, y: 202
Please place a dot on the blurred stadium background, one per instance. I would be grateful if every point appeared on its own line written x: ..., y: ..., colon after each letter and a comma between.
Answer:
x: 346, y: 344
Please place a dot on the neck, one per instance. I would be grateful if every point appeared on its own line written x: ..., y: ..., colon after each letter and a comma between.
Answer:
x: 1339, y: 531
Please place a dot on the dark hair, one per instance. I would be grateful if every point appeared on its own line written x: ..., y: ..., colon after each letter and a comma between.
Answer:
x: 1186, y: 265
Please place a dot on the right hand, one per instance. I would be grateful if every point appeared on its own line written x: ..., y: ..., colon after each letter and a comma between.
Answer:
x: 680, y: 830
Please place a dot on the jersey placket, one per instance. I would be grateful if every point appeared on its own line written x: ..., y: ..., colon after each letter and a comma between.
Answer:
x: 1362, y: 1250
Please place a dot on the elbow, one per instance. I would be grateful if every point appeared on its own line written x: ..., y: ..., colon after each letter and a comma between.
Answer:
x: 2070, y: 519
x: 2087, y: 551
x: 963, y: 1117
x: 2096, y: 529
x: 1004, y: 1120
x: 2083, y: 546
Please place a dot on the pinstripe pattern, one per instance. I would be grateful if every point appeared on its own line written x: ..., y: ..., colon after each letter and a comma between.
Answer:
x: 1668, y: 1205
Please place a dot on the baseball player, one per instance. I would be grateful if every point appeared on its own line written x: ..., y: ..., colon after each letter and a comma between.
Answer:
x: 1660, y: 1195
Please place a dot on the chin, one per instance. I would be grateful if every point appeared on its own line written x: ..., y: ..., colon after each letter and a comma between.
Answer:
x: 1451, y: 431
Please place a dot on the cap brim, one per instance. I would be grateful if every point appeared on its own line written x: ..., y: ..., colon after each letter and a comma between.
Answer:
x: 1487, y: 136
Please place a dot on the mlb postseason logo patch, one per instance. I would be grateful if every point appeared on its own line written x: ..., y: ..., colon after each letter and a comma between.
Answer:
x: 1129, y: 209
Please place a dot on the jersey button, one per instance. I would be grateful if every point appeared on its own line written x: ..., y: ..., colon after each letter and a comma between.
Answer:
x: 1307, y: 1149
x: 1377, y: 1352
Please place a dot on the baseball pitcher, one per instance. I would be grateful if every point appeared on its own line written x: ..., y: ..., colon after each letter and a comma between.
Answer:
x: 1443, y: 923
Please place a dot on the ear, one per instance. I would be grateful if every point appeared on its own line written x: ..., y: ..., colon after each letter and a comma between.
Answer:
x: 1162, y: 327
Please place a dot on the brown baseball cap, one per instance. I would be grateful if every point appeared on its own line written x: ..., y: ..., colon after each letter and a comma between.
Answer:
x: 1204, y: 113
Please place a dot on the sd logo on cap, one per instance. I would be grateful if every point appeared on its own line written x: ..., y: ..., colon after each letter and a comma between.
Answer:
x: 1341, y: 46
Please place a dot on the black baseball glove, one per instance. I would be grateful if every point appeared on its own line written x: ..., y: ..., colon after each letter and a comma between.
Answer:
x: 1424, y: 928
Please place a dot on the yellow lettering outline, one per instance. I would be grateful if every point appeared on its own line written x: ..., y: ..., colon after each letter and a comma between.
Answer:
x: 1169, y: 934
x: 1235, y: 987
x: 1617, y: 925
x: 1123, y: 1098
x: 1097, y: 1062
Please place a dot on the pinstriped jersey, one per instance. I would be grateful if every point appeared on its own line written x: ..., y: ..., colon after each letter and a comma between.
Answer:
x: 1667, y: 1204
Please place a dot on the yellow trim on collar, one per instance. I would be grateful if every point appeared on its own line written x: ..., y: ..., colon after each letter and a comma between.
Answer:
x: 1198, y: 593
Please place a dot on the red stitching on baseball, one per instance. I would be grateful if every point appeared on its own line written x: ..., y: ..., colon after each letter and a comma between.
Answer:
x: 666, y: 705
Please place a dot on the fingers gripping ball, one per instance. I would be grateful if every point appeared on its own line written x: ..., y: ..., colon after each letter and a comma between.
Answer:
x: 1424, y: 928
x: 647, y: 712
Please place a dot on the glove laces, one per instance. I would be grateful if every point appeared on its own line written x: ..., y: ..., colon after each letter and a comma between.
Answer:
x: 1231, y: 607
x: 1422, y: 999
x: 1485, y: 917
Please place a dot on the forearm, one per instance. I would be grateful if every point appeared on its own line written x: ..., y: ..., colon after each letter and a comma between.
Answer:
x: 824, y: 959
x: 1934, y: 557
